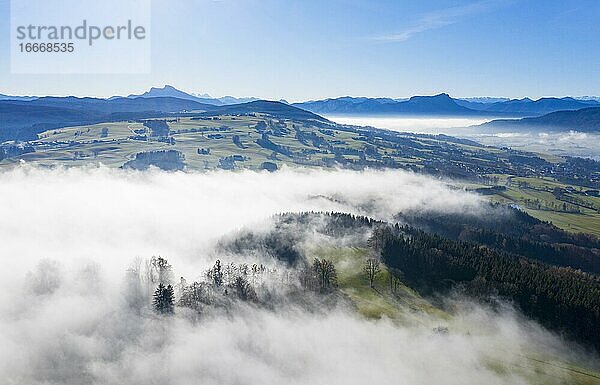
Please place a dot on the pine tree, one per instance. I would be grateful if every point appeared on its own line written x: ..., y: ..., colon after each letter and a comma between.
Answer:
x: 169, y: 300
x: 163, y: 299
x: 157, y: 300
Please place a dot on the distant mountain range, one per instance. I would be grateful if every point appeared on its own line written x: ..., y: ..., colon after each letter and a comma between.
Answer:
x: 583, y: 120
x: 531, y: 107
x: 22, y: 118
x: 417, y: 105
x: 172, y: 92
x: 443, y: 104
x: 164, y: 92
x: 484, y: 99
x: 8, y: 97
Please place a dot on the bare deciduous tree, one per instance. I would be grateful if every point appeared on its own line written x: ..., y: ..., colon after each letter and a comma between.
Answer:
x: 134, y: 293
x: 162, y: 270
x: 395, y: 276
x: 194, y: 296
x: 371, y: 269
x: 325, y: 274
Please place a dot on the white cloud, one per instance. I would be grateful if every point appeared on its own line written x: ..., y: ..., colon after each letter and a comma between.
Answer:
x: 439, y: 19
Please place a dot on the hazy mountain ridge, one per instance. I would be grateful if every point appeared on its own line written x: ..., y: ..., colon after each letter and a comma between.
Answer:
x: 540, y: 106
x: 170, y: 91
x: 443, y: 104
x: 583, y: 120
x: 9, y: 97
x: 433, y: 105
x: 483, y: 99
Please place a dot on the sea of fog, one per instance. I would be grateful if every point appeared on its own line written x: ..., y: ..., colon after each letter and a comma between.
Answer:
x: 425, y: 125
x: 70, y: 235
x: 567, y: 143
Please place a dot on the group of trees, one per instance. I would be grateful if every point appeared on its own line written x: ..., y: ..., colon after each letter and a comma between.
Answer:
x: 164, y: 299
x: 547, y: 205
x: 14, y: 150
x: 157, y: 127
x: 220, y: 275
x: 222, y: 281
x: 159, y: 273
x: 226, y: 282
x: 321, y: 276
x: 151, y: 278
x: 168, y: 160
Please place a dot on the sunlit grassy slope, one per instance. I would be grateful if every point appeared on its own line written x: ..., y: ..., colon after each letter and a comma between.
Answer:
x: 406, y: 307
x: 378, y: 301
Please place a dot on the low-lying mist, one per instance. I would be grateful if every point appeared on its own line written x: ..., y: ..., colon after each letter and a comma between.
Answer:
x: 71, y: 236
x: 565, y: 143
x: 530, y: 139
x: 414, y: 124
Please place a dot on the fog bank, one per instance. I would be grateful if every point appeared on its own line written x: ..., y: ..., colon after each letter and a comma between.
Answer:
x: 68, y: 236
x: 425, y: 125
x: 114, y: 215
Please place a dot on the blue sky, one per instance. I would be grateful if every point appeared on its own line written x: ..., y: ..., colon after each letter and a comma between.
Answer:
x: 308, y: 49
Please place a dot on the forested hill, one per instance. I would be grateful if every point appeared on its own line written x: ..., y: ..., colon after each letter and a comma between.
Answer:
x: 516, y: 232
x: 564, y: 299
x: 275, y: 109
x: 545, y: 288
